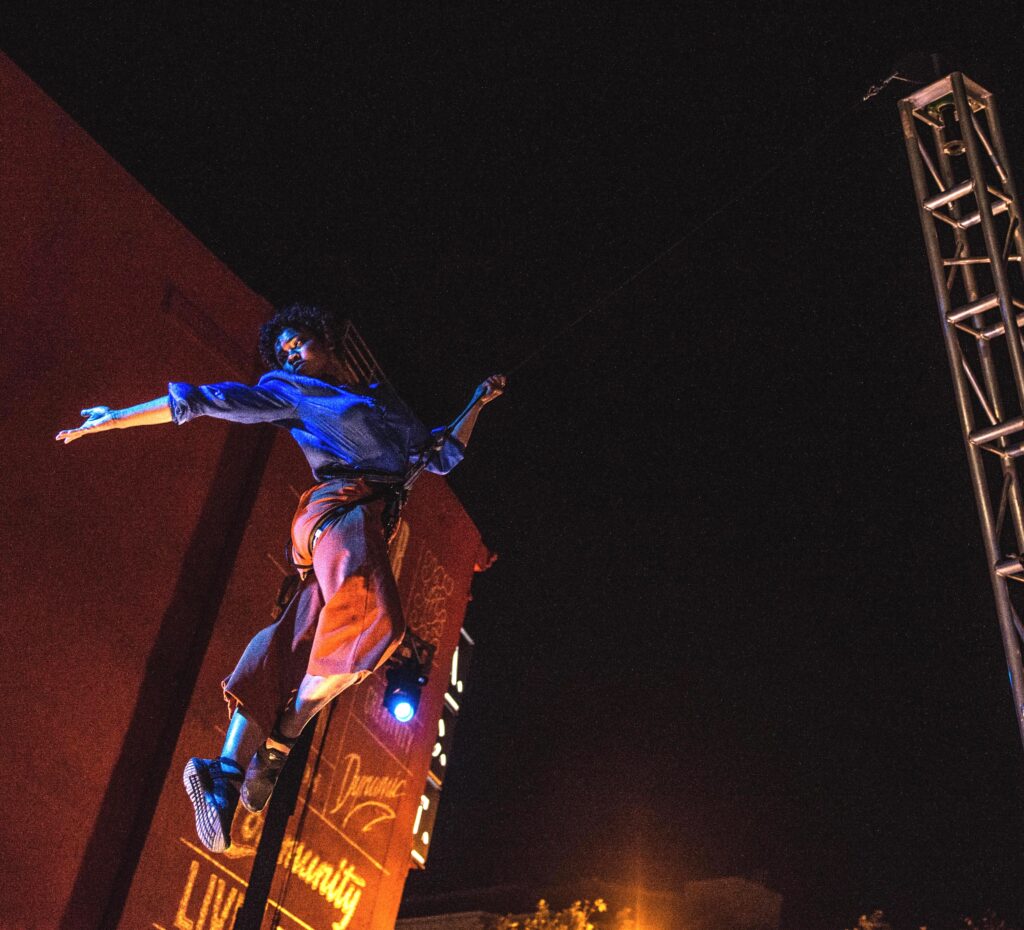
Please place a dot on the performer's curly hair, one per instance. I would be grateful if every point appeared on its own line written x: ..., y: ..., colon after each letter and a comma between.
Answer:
x: 321, y: 323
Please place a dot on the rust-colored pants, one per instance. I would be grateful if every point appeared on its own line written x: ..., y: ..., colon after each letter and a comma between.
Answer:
x: 343, y: 622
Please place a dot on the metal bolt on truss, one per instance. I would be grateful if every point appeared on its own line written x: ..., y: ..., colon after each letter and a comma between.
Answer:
x: 970, y: 216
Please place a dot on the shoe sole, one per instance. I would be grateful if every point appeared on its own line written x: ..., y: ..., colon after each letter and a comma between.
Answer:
x: 211, y: 833
x: 250, y: 806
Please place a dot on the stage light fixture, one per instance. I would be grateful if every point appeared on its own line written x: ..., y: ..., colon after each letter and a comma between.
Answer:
x: 402, y: 694
x: 405, y: 674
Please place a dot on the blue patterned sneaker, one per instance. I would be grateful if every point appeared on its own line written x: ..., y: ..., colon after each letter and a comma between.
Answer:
x: 212, y: 787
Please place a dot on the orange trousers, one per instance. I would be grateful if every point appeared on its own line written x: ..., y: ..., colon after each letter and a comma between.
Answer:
x: 343, y: 622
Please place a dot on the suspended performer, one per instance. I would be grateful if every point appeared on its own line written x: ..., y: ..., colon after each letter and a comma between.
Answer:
x: 344, y: 620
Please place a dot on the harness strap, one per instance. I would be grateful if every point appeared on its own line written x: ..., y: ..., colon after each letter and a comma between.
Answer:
x: 394, y: 489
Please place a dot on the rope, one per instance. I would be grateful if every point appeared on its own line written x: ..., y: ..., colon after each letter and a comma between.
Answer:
x: 605, y: 299
x: 436, y: 445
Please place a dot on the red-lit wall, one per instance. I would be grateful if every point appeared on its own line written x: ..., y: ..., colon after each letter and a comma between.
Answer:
x: 346, y: 851
x: 130, y: 586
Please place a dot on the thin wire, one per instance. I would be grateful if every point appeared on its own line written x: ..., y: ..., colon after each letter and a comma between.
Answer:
x: 876, y: 89
x: 602, y: 301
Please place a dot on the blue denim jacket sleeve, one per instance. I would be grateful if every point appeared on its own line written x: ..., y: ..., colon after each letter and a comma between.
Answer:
x: 230, y: 400
x: 448, y: 456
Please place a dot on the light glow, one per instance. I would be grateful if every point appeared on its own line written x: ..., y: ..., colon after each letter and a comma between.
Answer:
x: 404, y: 711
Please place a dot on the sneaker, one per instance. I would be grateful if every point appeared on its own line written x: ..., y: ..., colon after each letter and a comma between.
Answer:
x: 212, y: 786
x: 261, y: 776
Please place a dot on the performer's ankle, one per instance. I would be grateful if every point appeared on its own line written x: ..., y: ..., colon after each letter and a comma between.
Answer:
x: 279, y: 741
x: 232, y: 770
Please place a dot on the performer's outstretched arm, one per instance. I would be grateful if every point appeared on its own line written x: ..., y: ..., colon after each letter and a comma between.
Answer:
x: 271, y: 401
x: 99, y: 419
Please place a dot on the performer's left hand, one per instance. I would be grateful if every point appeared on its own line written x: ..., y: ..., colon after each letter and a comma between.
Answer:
x: 97, y: 420
x: 491, y: 389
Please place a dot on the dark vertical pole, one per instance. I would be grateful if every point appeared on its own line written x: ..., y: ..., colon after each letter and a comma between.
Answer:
x: 281, y: 807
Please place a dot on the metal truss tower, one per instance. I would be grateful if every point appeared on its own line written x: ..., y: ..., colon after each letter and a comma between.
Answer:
x: 970, y: 216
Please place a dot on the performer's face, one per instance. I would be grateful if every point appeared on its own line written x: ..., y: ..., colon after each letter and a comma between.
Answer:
x: 300, y: 352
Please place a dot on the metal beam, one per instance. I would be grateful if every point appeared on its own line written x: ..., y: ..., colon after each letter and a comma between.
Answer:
x: 970, y: 217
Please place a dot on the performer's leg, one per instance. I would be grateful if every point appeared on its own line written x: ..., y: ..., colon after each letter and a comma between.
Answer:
x: 270, y: 669
x: 359, y: 626
x: 314, y: 694
x: 360, y: 623
x: 272, y: 665
x: 243, y: 738
x: 213, y: 785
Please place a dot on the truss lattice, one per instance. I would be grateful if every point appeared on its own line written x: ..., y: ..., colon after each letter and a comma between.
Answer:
x: 970, y: 216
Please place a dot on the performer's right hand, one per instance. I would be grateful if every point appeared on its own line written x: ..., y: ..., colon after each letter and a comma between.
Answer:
x: 97, y: 419
x: 491, y: 389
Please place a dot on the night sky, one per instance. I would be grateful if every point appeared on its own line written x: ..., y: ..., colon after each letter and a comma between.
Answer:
x: 740, y: 622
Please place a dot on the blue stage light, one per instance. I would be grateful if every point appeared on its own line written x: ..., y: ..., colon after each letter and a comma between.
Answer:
x: 402, y: 694
x: 403, y: 711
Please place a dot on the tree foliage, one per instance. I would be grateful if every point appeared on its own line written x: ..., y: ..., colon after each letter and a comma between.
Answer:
x: 873, y: 921
x: 987, y: 921
x: 575, y: 917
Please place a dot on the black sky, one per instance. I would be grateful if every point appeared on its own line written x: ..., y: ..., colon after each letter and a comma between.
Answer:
x: 741, y: 621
